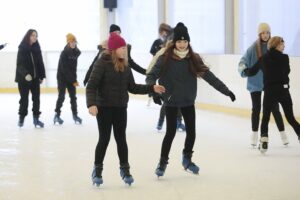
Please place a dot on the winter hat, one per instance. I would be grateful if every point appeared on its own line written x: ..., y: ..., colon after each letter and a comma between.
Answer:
x: 274, y: 42
x: 263, y: 27
x: 115, y: 41
x: 181, y: 32
x: 114, y: 28
x: 71, y: 38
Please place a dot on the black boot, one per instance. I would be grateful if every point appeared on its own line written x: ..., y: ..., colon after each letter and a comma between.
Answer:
x: 77, y: 119
x: 57, y: 119
x: 125, y: 174
x: 97, y: 175
x: 188, y: 164
x: 161, y: 168
x: 21, y: 121
x: 37, y: 122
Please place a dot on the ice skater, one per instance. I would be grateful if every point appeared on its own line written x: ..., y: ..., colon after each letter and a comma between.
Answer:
x: 30, y: 73
x: 103, y: 46
x: 177, y: 70
x: 67, y: 79
x: 276, y: 68
x: 255, y: 83
x: 107, y: 99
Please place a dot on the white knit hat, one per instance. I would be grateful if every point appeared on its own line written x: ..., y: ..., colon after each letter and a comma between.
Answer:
x: 263, y: 27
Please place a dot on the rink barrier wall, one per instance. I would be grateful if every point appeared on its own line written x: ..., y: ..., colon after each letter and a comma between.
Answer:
x: 223, y: 66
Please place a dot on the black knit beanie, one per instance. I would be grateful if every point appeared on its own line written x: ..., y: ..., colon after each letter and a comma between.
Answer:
x: 114, y: 28
x: 181, y: 32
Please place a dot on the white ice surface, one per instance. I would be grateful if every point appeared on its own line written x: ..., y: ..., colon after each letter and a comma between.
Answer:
x: 55, y: 163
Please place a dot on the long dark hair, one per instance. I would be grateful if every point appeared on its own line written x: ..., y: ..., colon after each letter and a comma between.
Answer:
x: 26, y: 38
x: 196, y: 64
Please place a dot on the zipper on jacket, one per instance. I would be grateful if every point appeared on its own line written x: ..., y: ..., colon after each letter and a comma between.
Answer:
x: 34, y: 73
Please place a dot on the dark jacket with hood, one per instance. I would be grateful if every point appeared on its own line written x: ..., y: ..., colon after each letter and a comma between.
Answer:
x: 109, y: 88
x: 180, y: 83
x: 67, y: 65
x: 29, y: 61
x: 276, y: 68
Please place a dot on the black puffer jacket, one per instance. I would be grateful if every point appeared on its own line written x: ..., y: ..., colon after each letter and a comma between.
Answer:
x: 275, y: 66
x: 67, y: 65
x: 131, y: 63
x: 29, y: 61
x: 109, y: 88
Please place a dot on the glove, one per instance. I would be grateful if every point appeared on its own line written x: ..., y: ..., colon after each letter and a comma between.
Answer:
x: 28, y: 77
x: 232, y: 96
x: 157, y: 99
x: 246, y: 72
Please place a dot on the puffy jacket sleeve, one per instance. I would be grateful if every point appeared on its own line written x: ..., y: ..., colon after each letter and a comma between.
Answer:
x: 214, y: 81
x: 138, y: 88
x: 94, y: 83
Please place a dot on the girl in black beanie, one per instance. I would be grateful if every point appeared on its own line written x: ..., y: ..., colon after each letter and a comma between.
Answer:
x: 177, y: 70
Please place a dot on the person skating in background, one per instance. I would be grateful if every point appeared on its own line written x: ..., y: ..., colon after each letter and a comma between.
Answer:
x: 30, y: 73
x: 166, y: 33
x: 3, y: 45
x: 276, y: 68
x: 255, y: 83
x: 107, y: 99
x: 177, y: 70
x: 67, y: 78
x: 103, y: 46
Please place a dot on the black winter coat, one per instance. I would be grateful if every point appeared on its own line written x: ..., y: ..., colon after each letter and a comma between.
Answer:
x: 131, y: 63
x: 109, y: 88
x: 156, y: 46
x: 275, y: 66
x: 67, y: 65
x: 29, y: 61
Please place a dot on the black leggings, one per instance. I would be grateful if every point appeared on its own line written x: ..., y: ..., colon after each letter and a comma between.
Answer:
x: 272, y: 97
x: 162, y: 113
x: 188, y: 114
x: 256, y: 107
x: 108, y: 118
x: 62, y: 86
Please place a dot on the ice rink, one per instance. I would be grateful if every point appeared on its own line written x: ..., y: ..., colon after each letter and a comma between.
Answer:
x: 55, y: 163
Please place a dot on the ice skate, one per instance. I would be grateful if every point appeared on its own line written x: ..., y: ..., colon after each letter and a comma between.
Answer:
x: 58, y: 120
x: 263, y: 146
x: 188, y: 164
x: 125, y: 174
x: 97, y: 175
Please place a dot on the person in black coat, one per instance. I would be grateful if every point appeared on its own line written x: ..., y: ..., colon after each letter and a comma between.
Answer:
x: 107, y: 98
x: 131, y: 63
x: 276, y: 68
x: 30, y: 73
x: 67, y: 78
x: 164, y: 32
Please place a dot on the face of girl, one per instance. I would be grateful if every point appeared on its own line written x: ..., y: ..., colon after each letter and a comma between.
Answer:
x: 181, y: 45
x: 121, y: 52
x: 265, y: 36
x: 72, y: 44
x: 280, y: 47
x: 33, y: 38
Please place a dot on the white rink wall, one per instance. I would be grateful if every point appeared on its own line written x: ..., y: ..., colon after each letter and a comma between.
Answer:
x: 223, y: 66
